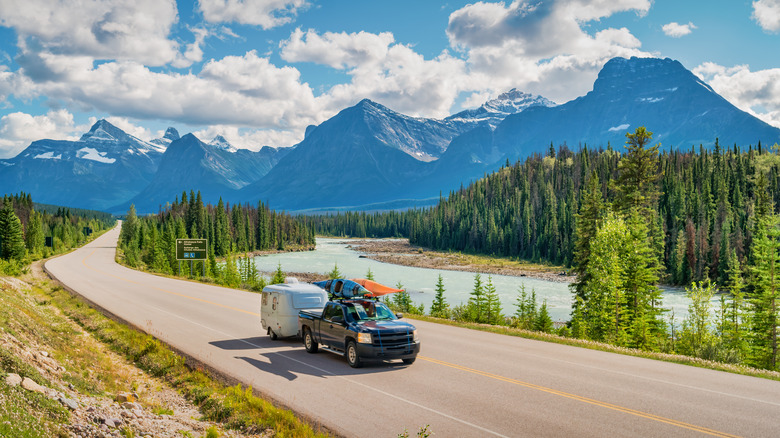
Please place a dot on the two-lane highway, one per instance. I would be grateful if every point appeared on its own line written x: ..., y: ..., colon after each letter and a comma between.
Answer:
x: 465, y: 383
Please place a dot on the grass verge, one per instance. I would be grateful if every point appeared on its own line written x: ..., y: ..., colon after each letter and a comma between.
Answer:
x: 233, y: 406
x: 61, y: 343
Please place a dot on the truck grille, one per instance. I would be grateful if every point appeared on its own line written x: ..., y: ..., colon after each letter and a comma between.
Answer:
x: 394, y: 342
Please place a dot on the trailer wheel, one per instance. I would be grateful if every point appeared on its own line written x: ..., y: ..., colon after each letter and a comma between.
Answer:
x: 352, y: 355
x: 308, y: 341
x: 272, y: 334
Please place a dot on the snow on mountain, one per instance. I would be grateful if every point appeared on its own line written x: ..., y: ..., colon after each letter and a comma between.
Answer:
x: 171, y: 134
x: 221, y: 142
x: 496, y: 110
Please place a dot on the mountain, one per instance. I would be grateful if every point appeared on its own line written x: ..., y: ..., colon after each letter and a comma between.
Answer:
x: 679, y: 108
x: 496, y: 110
x: 104, y: 167
x: 364, y: 155
x: 171, y: 134
x: 216, y: 170
x: 221, y: 142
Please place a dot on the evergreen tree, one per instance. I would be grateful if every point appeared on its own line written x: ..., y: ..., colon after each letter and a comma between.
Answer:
x: 439, y: 307
x: 33, y: 237
x: 369, y: 275
x: 335, y: 273
x: 492, y: 303
x: 543, y: 322
x: 766, y: 292
x: 129, y: 227
x: 279, y: 276
x: 476, y: 304
x: 11, y: 235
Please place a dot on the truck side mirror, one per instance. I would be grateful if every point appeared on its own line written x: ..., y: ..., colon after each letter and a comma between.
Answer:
x: 399, y: 315
x: 337, y: 320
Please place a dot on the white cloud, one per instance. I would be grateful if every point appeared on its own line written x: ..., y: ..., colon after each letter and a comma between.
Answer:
x: 757, y: 92
x: 677, y: 30
x: 263, y: 13
x: 18, y: 130
x: 767, y: 14
x: 103, y: 29
x: 392, y: 74
x: 252, y: 139
x: 337, y: 50
x: 540, y: 47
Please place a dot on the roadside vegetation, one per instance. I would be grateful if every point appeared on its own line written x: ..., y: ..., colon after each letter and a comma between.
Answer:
x: 622, y: 223
x: 30, y: 231
x: 234, y: 234
x: 74, y: 352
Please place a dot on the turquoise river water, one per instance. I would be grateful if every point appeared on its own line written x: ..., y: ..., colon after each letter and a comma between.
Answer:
x: 420, y: 282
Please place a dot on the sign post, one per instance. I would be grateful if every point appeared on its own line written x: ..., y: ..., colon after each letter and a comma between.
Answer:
x: 192, y: 249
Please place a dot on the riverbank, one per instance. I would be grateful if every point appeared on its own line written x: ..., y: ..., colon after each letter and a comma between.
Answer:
x: 401, y: 252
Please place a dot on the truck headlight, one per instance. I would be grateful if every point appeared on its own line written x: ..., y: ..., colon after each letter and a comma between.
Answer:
x: 414, y: 335
x: 364, y: 338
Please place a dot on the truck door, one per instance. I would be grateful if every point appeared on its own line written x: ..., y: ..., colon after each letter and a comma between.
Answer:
x: 332, y: 333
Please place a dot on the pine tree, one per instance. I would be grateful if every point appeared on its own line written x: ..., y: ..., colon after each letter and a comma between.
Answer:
x: 279, y: 276
x: 33, y: 237
x: 11, y: 236
x: 543, y: 322
x: 335, y: 273
x: 369, y: 275
x: 439, y: 307
x: 476, y: 304
x: 766, y: 292
x: 492, y: 304
x: 129, y: 227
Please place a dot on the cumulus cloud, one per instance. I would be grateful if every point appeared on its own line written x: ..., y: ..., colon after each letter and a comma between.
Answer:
x: 540, y: 47
x: 392, y: 74
x: 757, y: 92
x: 252, y: 139
x: 239, y: 90
x: 767, y: 14
x: 103, y: 29
x: 263, y: 13
x: 18, y: 130
x: 677, y: 30
x: 337, y: 50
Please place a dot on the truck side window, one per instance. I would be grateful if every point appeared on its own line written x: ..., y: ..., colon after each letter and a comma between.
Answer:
x: 331, y: 311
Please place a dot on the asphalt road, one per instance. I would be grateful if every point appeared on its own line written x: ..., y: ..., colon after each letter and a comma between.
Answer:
x: 464, y: 384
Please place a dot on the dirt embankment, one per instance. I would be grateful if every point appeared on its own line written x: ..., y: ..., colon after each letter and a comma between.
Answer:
x: 401, y: 252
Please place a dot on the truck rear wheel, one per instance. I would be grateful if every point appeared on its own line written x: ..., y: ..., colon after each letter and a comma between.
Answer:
x: 352, y: 355
x: 308, y: 341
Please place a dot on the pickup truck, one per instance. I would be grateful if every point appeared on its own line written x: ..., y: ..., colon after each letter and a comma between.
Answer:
x: 361, y: 329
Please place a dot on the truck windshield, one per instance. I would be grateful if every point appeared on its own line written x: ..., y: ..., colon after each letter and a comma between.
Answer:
x: 371, y: 311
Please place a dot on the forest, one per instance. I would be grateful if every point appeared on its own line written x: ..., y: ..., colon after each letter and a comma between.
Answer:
x: 527, y: 210
x: 149, y: 242
x: 30, y: 231
x: 623, y: 222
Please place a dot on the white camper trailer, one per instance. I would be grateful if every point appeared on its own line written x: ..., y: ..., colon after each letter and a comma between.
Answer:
x: 282, y: 302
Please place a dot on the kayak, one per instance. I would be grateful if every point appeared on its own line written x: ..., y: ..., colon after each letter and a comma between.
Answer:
x: 343, y: 288
x: 376, y: 289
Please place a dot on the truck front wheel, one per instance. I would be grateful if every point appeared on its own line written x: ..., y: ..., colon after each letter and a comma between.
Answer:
x: 352, y: 355
x: 308, y: 341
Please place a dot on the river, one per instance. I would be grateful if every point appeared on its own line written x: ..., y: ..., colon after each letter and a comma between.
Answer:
x: 420, y: 282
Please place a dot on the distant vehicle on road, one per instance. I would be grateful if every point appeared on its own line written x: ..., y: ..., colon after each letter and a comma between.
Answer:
x: 361, y: 329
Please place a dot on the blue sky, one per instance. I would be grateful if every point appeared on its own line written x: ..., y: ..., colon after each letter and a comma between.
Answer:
x: 258, y: 72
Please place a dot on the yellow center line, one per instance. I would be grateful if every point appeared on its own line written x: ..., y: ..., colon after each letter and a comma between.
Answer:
x: 583, y: 399
x: 591, y: 401
x: 84, y: 262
